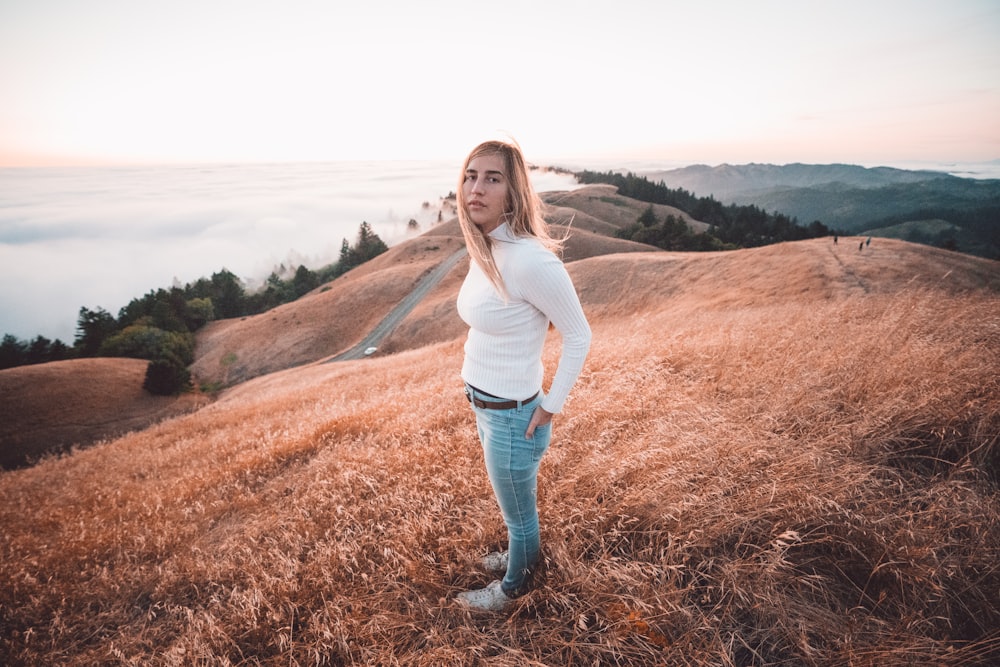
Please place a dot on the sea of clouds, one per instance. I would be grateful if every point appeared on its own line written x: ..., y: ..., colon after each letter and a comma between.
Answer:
x: 100, y: 236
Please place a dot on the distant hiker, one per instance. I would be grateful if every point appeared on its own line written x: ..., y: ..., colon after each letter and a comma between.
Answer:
x: 861, y: 246
x: 834, y: 240
x: 515, y: 286
x: 869, y: 241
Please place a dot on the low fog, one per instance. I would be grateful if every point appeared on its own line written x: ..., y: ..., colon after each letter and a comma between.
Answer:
x: 99, y: 237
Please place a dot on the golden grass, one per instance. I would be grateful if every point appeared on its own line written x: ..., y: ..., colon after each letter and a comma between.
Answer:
x: 49, y: 408
x: 607, y: 211
x: 773, y: 457
x: 315, y: 326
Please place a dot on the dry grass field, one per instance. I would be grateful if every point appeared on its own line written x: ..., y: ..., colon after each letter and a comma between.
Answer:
x: 779, y: 456
x: 50, y: 408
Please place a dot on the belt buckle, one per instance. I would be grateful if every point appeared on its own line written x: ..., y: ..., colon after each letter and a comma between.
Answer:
x: 478, y: 402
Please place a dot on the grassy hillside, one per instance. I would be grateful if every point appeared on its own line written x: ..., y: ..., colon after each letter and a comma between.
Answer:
x: 611, y: 210
x: 860, y: 200
x: 320, y: 324
x: 49, y: 408
x: 785, y: 455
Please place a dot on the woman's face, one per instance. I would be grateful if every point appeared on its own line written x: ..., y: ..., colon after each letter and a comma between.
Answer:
x: 485, y: 191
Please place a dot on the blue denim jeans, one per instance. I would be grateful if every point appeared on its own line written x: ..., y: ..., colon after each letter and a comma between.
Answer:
x: 512, y: 465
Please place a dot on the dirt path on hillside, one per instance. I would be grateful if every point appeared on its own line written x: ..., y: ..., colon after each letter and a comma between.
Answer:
x: 848, y: 275
x: 399, y: 313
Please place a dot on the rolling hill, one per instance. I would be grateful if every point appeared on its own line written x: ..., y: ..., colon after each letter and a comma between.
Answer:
x: 785, y: 455
x: 49, y: 408
x: 859, y: 200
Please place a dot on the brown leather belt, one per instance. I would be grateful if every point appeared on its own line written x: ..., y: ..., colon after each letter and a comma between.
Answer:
x: 495, y: 405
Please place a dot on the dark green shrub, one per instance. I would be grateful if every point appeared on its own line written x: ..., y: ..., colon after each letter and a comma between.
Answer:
x: 142, y: 341
x: 166, y: 377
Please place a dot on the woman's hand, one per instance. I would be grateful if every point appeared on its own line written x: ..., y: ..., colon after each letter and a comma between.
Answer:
x: 540, y: 417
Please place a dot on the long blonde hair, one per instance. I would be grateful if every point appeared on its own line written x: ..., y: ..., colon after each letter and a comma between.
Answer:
x: 523, y: 212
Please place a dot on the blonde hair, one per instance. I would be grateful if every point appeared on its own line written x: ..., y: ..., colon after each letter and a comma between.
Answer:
x: 523, y: 212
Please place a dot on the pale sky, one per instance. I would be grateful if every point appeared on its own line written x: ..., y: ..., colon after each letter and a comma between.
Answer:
x: 168, y: 81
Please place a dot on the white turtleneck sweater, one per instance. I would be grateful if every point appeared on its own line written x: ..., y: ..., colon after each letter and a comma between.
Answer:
x: 503, y: 353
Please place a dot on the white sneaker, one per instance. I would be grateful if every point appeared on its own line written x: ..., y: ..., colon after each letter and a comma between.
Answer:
x: 491, y: 598
x: 496, y: 561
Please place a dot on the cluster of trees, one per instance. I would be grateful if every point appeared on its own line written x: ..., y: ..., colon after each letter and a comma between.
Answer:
x: 160, y: 325
x: 973, y: 230
x: 731, y: 226
x: 671, y: 233
x: 16, y: 352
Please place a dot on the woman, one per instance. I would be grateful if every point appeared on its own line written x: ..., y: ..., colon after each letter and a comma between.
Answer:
x: 515, y: 287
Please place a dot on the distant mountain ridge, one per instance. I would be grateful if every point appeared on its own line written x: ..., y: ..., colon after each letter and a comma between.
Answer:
x: 859, y: 200
x: 726, y: 181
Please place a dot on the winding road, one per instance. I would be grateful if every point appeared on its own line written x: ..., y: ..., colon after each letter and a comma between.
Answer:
x: 397, y: 314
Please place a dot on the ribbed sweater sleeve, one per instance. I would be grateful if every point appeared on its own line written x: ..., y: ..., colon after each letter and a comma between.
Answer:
x: 546, y: 285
